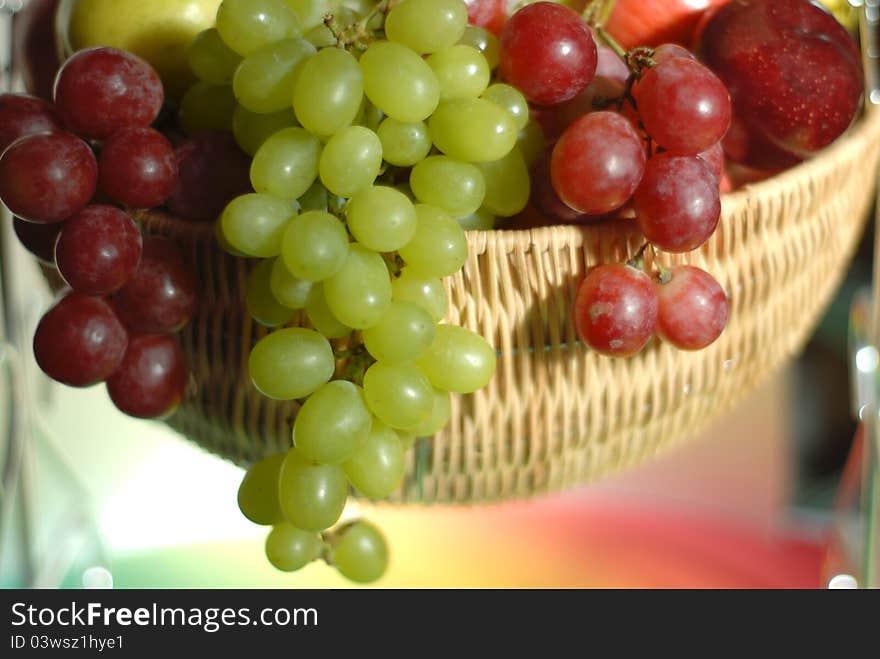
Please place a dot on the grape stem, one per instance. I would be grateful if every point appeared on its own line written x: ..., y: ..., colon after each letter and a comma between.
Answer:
x: 638, y: 260
x: 598, y: 12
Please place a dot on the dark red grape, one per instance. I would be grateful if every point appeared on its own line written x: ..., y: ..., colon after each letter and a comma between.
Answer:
x: 693, y: 308
x: 38, y: 239
x: 597, y: 163
x: 714, y: 159
x: 80, y: 341
x: 98, y: 250
x: 794, y: 73
x: 35, y: 46
x: 668, y: 50
x: 22, y: 115
x: 151, y: 381
x: 615, y: 312
x: 548, y: 53
x: 160, y: 296
x: 677, y: 204
x: 138, y: 167
x: 683, y: 105
x: 212, y: 170
x: 543, y: 196
x: 47, y: 177
x: 101, y: 90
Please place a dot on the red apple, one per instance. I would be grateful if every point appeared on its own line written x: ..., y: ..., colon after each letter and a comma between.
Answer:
x: 652, y: 22
x: 794, y: 75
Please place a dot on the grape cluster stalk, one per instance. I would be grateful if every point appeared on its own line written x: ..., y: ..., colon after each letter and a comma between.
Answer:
x: 378, y: 135
x: 127, y: 294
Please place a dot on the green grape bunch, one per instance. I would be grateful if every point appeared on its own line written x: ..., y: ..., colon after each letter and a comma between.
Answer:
x: 378, y: 137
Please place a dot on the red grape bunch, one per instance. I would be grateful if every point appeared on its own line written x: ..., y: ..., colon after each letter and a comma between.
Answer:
x: 128, y: 293
x: 636, y: 133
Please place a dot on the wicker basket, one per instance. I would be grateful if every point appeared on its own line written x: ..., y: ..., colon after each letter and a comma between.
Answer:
x: 556, y: 414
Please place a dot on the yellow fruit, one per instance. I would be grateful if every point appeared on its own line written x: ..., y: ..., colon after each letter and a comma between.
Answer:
x: 158, y: 30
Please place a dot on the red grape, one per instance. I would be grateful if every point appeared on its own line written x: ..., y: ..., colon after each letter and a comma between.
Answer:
x: 714, y: 159
x: 100, y: 90
x: 548, y: 53
x: 22, y: 115
x: 151, y: 381
x: 669, y: 50
x: 693, y: 308
x: 160, y: 296
x: 677, y: 204
x: 98, y: 250
x: 683, y: 105
x: 543, y: 196
x: 488, y: 14
x: 38, y: 239
x: 47, y: 177
x: 615, y: 312
x: 80, y: 341
x: 212, y: 170
x: 138, y: 167
x: 598, y: 163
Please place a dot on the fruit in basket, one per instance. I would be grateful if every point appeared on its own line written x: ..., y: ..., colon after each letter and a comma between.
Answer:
x: 138, y: 167
x: 692, y: 308
x: 22, y: 115
x: 653, y: 22
x: 794, y: 75
x: 548, y: 53
x: 151, y: 380
x: 35, y: 52
x: 80, y: 341
x: 157, y: 30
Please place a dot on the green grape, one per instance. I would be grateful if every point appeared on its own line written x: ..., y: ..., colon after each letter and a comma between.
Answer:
x: 261, y: 303
x: 531, y: 142
x: 320, y: 316
x: 360, y: 554
x: 362, y: 8
x: 404, y: 144
x: 315, y: 198
x: 312, y: 496
x: 426, y: 26
x: 287, y: 163
x: 360, y: 293
x: 212, y: 60
x: 258, y: 492
x: 205, y: 108
x: 461, y: 70
x: 320, y: 36
x: 351, y: 161
x: 291, y: 363
x: 451, y: 185
x: 512, y: 100
x: 426, y: 292
x: 479, y: 220
x: 370, y: 116
x: 255, y: 223
x: 404, y: 334
x: 458, y: 360
x: 328, y: 91
x: 381, y: 218
x: 473, y: 130
x: 248, y: 25
x: 439, y: 417
x: 287, y: 289
x: 252, y: 129
x: 439, y: 247
x: 399, y: 394
x: 314, y: 246
x: 507, y: 184
x: 377, y: 466
x: 332, y: 423
x: 289, y: 548
x: 312, y: 12
x: 264, y: 81
x: 484, y: 41
x: 399, y: 82
x: 224, y: 244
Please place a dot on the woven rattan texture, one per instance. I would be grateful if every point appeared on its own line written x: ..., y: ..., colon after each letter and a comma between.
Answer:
x: 556, y: 414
